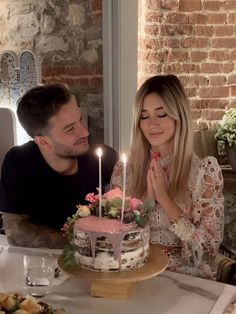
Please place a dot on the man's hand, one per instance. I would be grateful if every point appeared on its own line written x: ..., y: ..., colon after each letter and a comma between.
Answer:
x: 21, y: 232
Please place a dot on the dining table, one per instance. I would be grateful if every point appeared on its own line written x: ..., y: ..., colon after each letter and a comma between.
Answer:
x: 169, y: 292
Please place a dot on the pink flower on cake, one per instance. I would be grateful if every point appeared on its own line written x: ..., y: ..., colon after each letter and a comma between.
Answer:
x: 92, y: 198
x: 134, y: 204
x: 135, y: 211
x: 113, y: 194
x: 65, y: 228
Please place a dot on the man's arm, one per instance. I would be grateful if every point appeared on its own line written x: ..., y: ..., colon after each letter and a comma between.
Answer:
x: 21, y: 232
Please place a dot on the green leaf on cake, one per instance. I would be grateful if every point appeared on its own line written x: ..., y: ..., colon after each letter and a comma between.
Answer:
x: 113, y: 212
x: 149, y: 204
x: 68, y: 258
x: 141, y: 220
x: 116, y: 202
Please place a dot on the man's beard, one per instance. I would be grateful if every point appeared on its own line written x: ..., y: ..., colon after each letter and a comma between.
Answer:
x: 68, y: 153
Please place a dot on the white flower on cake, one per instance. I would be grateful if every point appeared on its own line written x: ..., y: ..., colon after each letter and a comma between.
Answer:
x: 83, y: 211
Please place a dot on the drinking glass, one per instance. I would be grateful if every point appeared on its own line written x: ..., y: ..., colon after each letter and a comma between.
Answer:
x: 39, y: 272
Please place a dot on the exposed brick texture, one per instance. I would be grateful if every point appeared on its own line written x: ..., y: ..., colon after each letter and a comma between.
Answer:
x: 186, y: 5
x: 66, y: 36
x: 196, y: 40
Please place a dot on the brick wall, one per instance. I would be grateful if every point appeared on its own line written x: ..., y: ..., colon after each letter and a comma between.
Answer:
x: 66, y: 37
x: 80, y: 66
x: 195, y: 40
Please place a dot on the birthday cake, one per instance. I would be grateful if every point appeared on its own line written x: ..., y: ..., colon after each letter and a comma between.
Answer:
x: 111, y: 241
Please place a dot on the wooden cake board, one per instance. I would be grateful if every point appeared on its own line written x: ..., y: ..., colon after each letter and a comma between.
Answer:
x: 119, y: 285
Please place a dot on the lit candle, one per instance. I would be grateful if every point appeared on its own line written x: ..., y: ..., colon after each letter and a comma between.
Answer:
x: 99, y: 154
x: 124, y: 160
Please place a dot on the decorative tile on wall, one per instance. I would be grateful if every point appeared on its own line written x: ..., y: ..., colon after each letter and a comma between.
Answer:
x: 8, y: 79
x: 17, y: 75
x: 28, y: 72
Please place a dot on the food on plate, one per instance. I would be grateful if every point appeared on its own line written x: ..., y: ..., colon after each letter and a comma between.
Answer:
x: 16, y: 303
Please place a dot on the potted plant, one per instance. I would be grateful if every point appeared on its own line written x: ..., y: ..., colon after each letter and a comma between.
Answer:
x: 226, y: 136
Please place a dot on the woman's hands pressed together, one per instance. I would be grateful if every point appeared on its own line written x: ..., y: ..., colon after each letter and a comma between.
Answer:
x: 158, y: 189
x: 157, y: 183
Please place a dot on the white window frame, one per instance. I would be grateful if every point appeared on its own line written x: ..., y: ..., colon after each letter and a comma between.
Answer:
x: 120, y: 45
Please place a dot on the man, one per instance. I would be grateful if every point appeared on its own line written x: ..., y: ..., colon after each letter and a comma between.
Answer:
x: 43, y: 180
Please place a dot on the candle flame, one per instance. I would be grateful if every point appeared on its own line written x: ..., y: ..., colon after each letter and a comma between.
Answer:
x: 124, y: 158
x: 99, y: 152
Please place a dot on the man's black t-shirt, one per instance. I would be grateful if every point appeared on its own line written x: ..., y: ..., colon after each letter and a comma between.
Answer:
x: 31, y: 187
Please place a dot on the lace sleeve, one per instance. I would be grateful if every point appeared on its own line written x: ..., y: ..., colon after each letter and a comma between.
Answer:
x: 116, y: 177
x: 201, y: 231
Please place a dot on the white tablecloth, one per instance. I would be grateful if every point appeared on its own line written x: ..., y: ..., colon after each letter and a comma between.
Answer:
x: 169, y: 293
x: 226, y: 296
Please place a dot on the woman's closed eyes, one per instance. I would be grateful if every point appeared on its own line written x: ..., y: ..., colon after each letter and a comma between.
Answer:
x: 160, y: 115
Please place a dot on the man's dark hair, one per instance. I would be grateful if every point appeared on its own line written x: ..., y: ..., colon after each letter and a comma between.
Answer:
x: 39, y: 104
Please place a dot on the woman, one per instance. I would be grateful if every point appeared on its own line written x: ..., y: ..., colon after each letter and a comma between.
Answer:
x: 188, y: 218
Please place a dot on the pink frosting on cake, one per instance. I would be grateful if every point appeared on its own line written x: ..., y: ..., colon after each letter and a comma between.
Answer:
x: 97, y: 224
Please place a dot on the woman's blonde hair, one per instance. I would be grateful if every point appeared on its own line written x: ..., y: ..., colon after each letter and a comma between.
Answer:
x: 176, y: 105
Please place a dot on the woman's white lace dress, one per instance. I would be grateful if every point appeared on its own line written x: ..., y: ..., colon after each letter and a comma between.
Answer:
x: 198, y: 232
